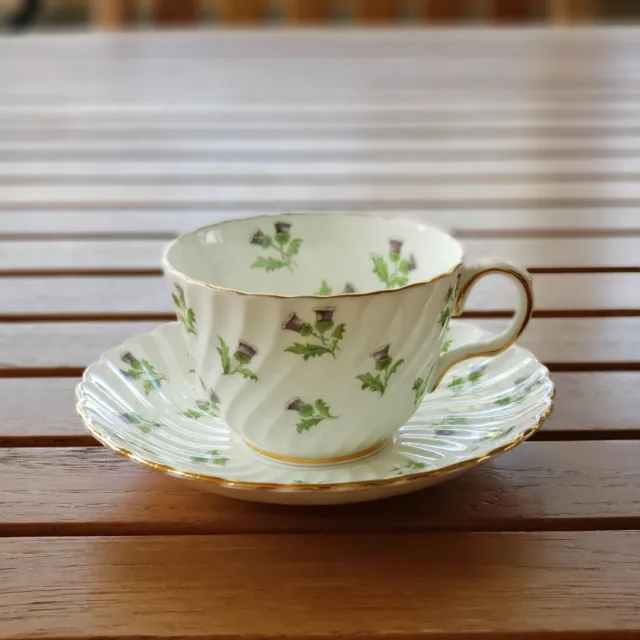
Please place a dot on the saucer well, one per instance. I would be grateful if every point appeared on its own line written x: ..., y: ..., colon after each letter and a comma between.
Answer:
x: 144, y: 401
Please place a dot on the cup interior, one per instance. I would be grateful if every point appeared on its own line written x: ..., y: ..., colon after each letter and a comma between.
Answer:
x: 313, y: 254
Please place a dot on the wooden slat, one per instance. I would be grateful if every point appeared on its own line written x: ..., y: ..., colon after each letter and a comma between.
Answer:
x: 309, y: 196
x: 303, y: 12
x: 594, y: 486
x: 375, y: 11
x: 176, y: 12
x: 148, y: 296
x: 284, y: 173
x: 601, y: 136
x: 600, y: 221
x: 217, y: 116
x: 509, y: 10
x: 539, y: 254
x: 241, y: 11
x: 563, y: 343
x: 38, y: 346
x: 460, y: 146
x: 440, y: 65
x: 51, y: 419
x: 112, y: 14
x: 566, y: 12
x: 588, y: 405
x: 401, y: 585
x: 444, y: 11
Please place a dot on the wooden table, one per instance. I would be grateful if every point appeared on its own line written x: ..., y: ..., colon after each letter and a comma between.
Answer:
x: 526, y: 144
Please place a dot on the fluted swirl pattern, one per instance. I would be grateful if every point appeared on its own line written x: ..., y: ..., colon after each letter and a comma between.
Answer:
x: 483, y: 406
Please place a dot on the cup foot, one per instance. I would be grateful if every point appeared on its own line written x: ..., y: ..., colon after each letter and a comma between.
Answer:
x: 350, y: 457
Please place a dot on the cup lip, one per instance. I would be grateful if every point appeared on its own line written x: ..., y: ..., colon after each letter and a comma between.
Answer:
x: 169, y: 268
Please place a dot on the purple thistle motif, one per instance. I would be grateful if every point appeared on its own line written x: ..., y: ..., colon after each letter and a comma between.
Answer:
x: 180, y: 291
x: 395, y: 245
x: 293, y: 323
x: 129, y: 358
x: 381, y: 354
x: 325, y: 314
x: 126, y: 417
x: 246, y: 349
x: 282, y: 227
x: 295, y: 405
x: 445, y: 432
x: 349, y: 288
x: 257, y: 237
x: 412, y: 263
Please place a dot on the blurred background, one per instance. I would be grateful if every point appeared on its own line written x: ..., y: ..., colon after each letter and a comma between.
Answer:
x: 18, y: 15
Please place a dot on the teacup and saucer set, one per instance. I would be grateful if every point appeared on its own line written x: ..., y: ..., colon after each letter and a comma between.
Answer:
x: 314, y: 361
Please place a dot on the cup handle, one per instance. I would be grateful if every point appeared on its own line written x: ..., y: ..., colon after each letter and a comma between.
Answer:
x: 498, y: 344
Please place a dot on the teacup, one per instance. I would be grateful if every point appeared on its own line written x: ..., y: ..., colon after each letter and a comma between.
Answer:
x: 320, y: 334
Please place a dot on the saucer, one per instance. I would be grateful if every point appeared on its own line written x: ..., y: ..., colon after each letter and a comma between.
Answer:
x: 144, y: 401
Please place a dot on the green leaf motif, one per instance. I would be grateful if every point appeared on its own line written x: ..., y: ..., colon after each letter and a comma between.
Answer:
x: 294, y: 248
x: 225, y: 359
x: 446, y: 345
x: 323, y: 408
x: 192, y: 413
x: 142, y: 423
x: 410, y: 467
x: 394, y: 367
x: 185, y: 314
x: 394, y: 273
x: 419, y: 388
x: 149, y: 386
x: 269, y: 264
x: 209, y: 407
x: 399, y: 281
x: 377, y: 383
x: 320, y: 341
x: 307, y: 350
x: 450, y: 295
x: 371, y: 382
x: 247, y: 373
x: 241, y: 358
x: 218, y: 458
x: 310, y: 415
x: 308, y: 423
x: 212, y: 457
x: 338, y: 332
x: 458, y: 383
x: 381, y: 269
x: 143, y: 370
x: 445, y: 316
x: 282, y: 247
x: 503, y: 402
x: 325, y: 289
